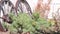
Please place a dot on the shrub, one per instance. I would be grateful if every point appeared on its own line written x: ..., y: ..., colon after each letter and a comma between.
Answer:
x: 24, y: 23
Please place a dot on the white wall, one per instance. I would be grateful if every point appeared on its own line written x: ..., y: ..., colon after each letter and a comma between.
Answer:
x: 32, y: 3
x: 55, y: 4
x: 13, y: 1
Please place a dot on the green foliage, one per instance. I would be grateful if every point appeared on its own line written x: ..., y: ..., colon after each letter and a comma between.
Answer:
x: 4, y: 25
x: 23, y: 22
x: 36, y: 16
x: 40, y: 21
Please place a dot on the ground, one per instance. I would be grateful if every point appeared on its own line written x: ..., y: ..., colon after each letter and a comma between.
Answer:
x: 4, y: 32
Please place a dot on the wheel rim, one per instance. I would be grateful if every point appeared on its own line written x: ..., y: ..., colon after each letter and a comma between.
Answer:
x: 24, y: 8
x: 1, y: 14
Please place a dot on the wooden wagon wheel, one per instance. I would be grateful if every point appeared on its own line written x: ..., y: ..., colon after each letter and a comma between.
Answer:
x: 1, y: 20
x: 22, y: 5
x: 7, y: 6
